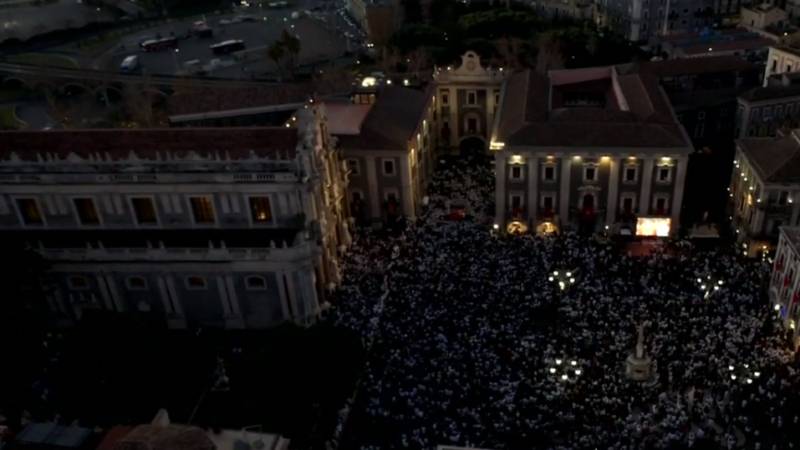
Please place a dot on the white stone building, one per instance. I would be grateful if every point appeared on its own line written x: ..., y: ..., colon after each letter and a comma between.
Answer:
x: 211, y: 227
x: 784, y: 285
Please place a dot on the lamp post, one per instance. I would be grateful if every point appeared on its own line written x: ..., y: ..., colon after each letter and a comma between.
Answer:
x: 564, y: 370
x: 564, y: 278
x: 709, y: 285
x: 743, y: 373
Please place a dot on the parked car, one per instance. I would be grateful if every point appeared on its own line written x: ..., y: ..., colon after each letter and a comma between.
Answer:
x: 129, y: 64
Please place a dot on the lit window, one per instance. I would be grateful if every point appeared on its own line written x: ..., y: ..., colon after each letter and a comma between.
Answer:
x: 256, y: 283
x: 87, y: 213
x: 29, y: 211
x: 202, y: 209
x: 195, y: 282
x: 260, y: 210
x: 145, y: 210
x: 136, y: 283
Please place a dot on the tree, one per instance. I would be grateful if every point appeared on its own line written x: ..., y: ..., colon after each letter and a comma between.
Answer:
x: 292, y: 47
x: 276, y: 52
x: 549, y: 55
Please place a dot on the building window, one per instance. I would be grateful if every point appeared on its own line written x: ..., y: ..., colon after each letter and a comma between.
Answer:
x: 516, y: 204
x: 145, y: 210
x: 664, y: 174
x: 472, y: 98
x: 255, y: 283
x: 516, y: 172
x: 590, y: 173
x: 388, y: 167
x: 87, y: 212
x: 195, y: 283
x: 783, y: 198
x: 699, y: 130
x: 202, y: 209
x: 662, y: 205
x: 472, y: 125
x: 788, y: 67
x: 136, y: 283
x: 354, y: 166
x: 549, y: 172
x: 29, y: 211
x: 774, y: 66
x: 548, y: 203
x: 701, y: 115
x: 260, y: 210
x: 631, y: 174
x: 628, y: 204
x: 445, y: 98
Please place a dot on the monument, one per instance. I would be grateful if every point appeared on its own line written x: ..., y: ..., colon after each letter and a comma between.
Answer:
x: 638, y: 366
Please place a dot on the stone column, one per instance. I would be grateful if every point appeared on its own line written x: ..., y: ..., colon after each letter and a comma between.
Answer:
x: 223, y: 297
x: 162, y: 291
x: 564, y: 191
x: 677, y: 195
x: 406, y: 186
x: 533, y: 189
x: 613, y: 191
x: 112, y: 289
x: 236, y: 321
x: 647, y: 184
x: 500, y: 187
x: 101, y: 283
x: 372, y: 188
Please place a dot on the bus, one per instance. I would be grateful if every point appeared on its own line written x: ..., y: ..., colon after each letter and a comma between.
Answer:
x: 226, y: 47
x: 155, y: 45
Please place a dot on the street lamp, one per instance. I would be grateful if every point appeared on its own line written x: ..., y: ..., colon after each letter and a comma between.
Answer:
x: 564, y: 278
x: 744, y: 373
x: 564, y: 369
x: 709, y: 285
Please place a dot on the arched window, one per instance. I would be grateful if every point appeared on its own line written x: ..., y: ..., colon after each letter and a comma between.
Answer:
x: 255, y: 283
x: 136, y: 283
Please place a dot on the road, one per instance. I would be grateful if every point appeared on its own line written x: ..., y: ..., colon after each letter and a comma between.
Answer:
x: 321, y: 33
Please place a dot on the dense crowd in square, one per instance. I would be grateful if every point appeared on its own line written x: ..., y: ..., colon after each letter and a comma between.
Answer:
x: 473, y: 342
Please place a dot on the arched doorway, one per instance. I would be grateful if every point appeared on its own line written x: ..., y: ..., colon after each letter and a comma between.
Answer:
x: 472, y: 146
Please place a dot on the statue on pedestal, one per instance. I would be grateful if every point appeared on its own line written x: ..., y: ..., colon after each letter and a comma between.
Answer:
x: 638, y: 366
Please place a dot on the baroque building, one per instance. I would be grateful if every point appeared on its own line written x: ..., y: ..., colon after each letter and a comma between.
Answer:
x: 220, y: 227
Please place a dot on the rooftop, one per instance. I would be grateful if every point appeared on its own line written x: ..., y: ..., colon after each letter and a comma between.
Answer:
x: 153, y: 144
x: 596, y: 107
x: 389, y: 124
x: 775, y: 159
x: 770, y: 92
x: 695, y: 43
x: 696, y: 66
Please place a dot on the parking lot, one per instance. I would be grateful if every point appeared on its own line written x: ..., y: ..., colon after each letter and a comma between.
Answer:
x: 322, y: 35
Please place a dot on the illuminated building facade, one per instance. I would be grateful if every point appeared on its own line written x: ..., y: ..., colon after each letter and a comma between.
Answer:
x: 764, y: 185
x: 784, y: 286
x: 219, y: 227
x: 589, y: 149
x: 468, y: 98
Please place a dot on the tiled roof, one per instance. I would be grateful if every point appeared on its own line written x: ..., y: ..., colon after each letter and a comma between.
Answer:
x: 775, y: 159
x: 391, y: 122
x: 151, y: 143
x: 646, y: 121
x: 692, y: 66
x: 770, y: 93
x: 171, y: 437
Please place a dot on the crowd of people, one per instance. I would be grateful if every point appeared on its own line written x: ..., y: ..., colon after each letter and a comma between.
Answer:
x: 473, y: 342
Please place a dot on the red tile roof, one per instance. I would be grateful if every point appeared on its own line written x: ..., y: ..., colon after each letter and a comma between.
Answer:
x: 152, y: 143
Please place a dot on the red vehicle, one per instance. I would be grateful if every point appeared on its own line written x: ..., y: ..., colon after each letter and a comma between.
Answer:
x: 155, y: 45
